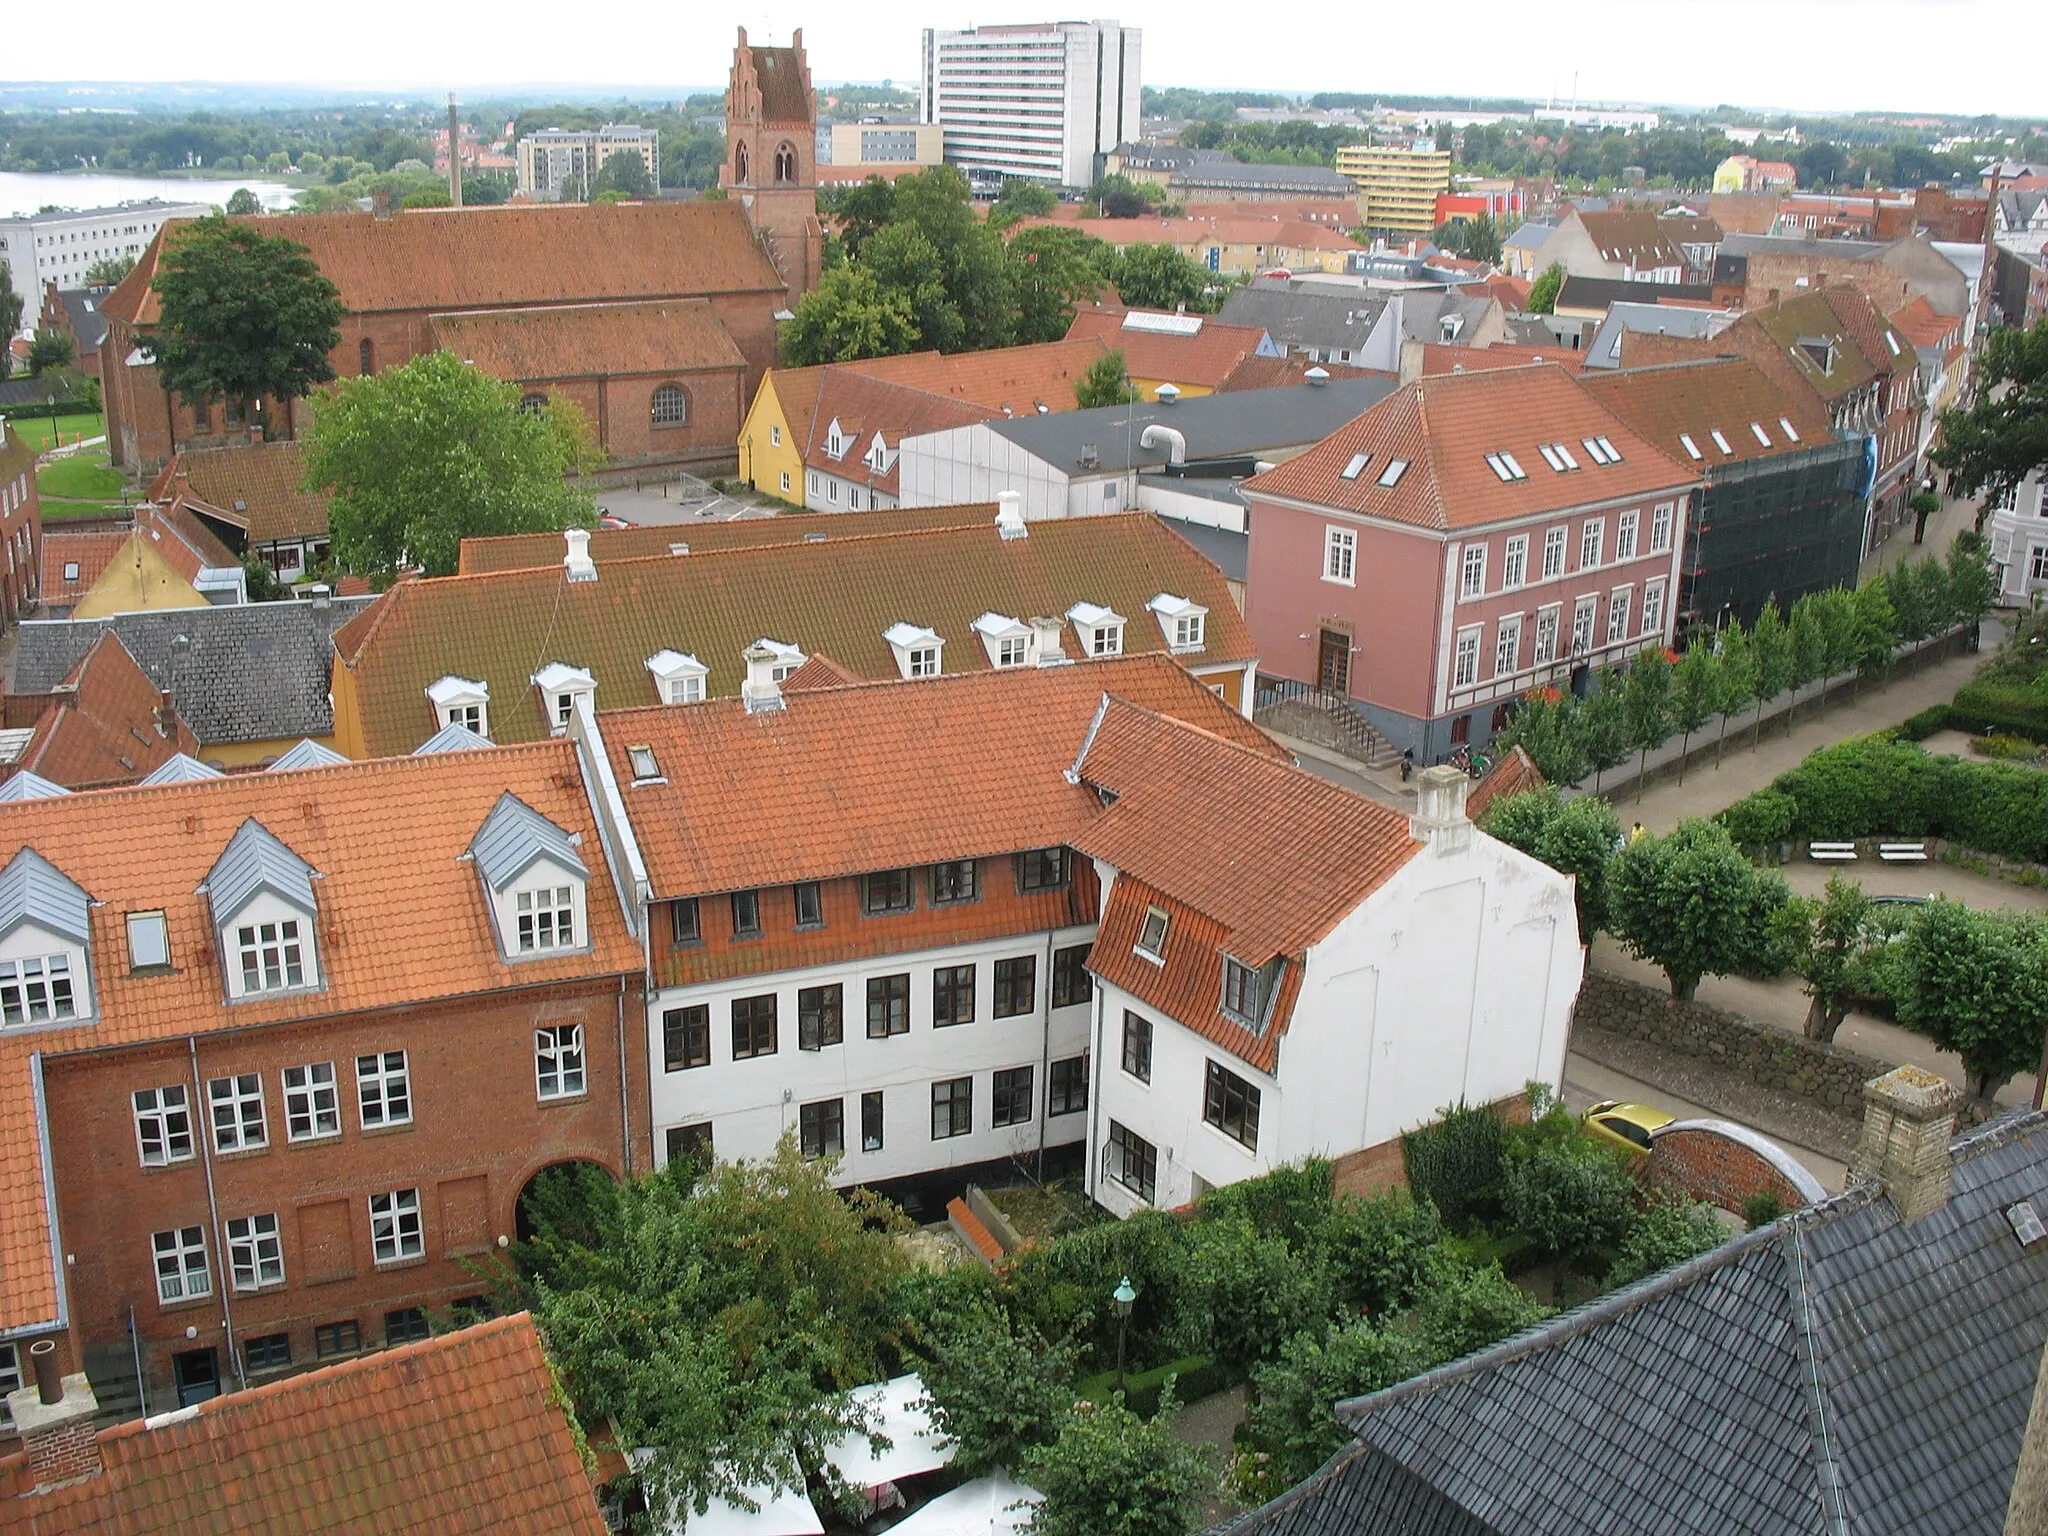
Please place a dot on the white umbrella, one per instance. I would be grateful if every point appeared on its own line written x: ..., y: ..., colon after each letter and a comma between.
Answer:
x: 914, y: 1444
x: 784, y: 1513
x: 988, y: 1506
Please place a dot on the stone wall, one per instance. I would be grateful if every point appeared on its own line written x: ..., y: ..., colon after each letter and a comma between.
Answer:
x: 1827, y: 1074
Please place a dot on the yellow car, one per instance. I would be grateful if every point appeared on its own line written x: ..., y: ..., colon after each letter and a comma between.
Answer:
x: 1627, y: 1126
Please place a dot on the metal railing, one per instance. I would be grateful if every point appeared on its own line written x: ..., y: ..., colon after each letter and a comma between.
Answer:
x: 1350, y: 732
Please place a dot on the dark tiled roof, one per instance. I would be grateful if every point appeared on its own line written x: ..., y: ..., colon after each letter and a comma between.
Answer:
x: 261, y: 483
x: 1302, y: 314
x: 523, y: 551
x: 105, y: 729
x: 1837, y: 1346
x: 253, y: 672
x: 1600, y: 292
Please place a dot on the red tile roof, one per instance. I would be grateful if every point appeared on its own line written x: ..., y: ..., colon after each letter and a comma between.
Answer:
x: 73, y: 562
x: 1205, y: 358
x: 1016, y: 380
x: 460, y: 1433
x: 105, y: 725
x: 260, y: 483
x: 1283, y: 372
x: 864, y: 409
x: 1514, y: 773
x: 1728, y: 395
x: 1924, y: 325
x: 1444, y: 427
x: 511, y: 254
x: 1632, y: 237
x: 187, y: 545
x: 569, y: 341
x: 525, y: 551
x: 1438, y: 358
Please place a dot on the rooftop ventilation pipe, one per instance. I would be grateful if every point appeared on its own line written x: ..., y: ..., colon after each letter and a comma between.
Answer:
x: 1175, y: 443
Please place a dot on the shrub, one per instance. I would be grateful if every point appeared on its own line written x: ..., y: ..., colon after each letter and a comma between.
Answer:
x: 1380, y: 1250
x: 1291, y: 1417
x: 1456, y: 1163
x: 1668, y: 1230
x: 1923, y: 725
x: 1762, y: 820
x: 1991, y: 704
x: 1862, y: 788
x: 1571, y: 1198
x: 1192, y: 1377
x: 1291, y: 1202
x: 1761, y: 1209
x: 2005, y: 745
x: 1242, y: 1290
x: 1468, y: 1309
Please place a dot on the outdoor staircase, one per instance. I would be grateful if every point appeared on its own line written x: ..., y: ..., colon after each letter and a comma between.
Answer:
x: 1328, y: 719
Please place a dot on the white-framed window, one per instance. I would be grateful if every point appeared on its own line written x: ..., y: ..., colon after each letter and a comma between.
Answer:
x: 547, y: 918
x: 1465, y: 661
x: 149, y: 941
x: 558, y: 1060
x: 1619, y: 602
x: 1653, y: 608
x: 1553, y: 553
x: 1514, y: 562
x: 1625, y: 536
x: 383, y: 1090
x: 1472, y: 576
x: 924, y: 661
x: 685, y: 690
x: 1583, y: 612
x: 2037, y: 562
x: 1108, y: 640
x: 1340, y: 556
x: 1591, y: 537
x: 395, y: 1232
x: 1546, y: 635
x: 1152, y: 933
x: 1507, y: 646
x: 1014, y: 651
x: 469, y: 715
x: 1187, y: 631
x: 1660, y: 529
x: 255, y: 1254
x: 163, y: 1125
x: 775, y: 437
x: 271, y: 956
x: 312, y: 1108
x: 181, y: 1273
x: 36, y: 990
x: 785, y: 482
x: 236, y: 1104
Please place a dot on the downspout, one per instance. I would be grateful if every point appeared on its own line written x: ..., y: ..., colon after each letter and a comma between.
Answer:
x: 135, y: 1345
x: 227, y: 1311
x: 1045, y: 1055
x: 625, y: 1094
x: 1095, y: 1060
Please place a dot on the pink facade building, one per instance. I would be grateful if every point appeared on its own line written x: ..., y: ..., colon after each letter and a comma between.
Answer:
x: 1471, y: 537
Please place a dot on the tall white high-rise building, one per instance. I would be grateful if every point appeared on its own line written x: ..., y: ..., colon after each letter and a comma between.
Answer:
x: 1045, y: 101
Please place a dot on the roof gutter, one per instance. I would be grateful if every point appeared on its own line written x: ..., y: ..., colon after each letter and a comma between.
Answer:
x: 608, y: 807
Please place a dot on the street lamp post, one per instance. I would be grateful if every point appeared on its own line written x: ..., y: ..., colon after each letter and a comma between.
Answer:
x: 56, y: 438
x: 1123, y: 1296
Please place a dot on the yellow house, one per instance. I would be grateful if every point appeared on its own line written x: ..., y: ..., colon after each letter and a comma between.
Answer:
x: 138, y: 579
x: 772, y: 435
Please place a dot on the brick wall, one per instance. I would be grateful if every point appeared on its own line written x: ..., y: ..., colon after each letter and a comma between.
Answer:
x: 1821, y: 268
x: 1712, y: 1166
x: 1827, y: 1074
x: 1381, y: 1169
x: 65, y: 1453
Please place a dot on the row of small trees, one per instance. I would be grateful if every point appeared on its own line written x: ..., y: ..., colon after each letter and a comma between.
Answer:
x: 1723, y: 673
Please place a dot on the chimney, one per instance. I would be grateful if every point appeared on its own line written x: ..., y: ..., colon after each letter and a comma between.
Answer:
x: 57, y: 1420
x: 454, y: 154
x: 380, y: 202
x: 1908, y: 1116
x: 1167, y: 394
x: 1440, y: 819
x: 1045, y: 641
x: 760, y: 692
x: 1090, y: 456
x: 319, y: 594
x: 577, y: 561
x: 1010, y: 515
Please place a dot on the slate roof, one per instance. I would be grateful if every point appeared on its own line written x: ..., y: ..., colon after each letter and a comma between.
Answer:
x: 1608, y: 348
x: 82, y: 309
x: 256, y: 483
x: 568, y: 341
x: 1605, y: 292
x: 1300, y: 315
x: 253, y: 671
x: 837, y: 597
x: 1836, y: 1346
x: 1309, y: 179
x: 1225, y: 548
x: 525, y: 551
x: 458, y: 1435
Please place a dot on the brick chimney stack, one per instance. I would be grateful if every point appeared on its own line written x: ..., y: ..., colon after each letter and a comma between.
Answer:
x: 57, y: 1420
x: 1909, y: 1115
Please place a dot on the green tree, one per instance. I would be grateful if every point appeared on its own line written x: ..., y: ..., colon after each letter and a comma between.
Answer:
x: 1111, y: 1473
x: 624, y: 171
x: 1022, y: 199
x: 1646, y: 707
x: 1291, y: 1415
x: 1696, y: 684
x: 861, y: 211
x: 1876, y: 627
x: 849, y: 316
x: 421, y: 456
x: 996, y: 1391
x: 1057, y: 268
x: 1808, y: 649
x: 1570, y: 1196
x: 1242, y: 1291
x: 1548, y: 726
x: 10, y: 319
x: 242, y: 315
x: 1160, y: 277
x: 1118, y: 197
x: 1603, y: 718
x: 1974, y: 983
x: 242, y: 202
x: 1770, y: 647
x: 1105, y: 383
x: 1841, y: 636
x: 1543, y: 292
x: 1576, y: 837
x: 1692, y: 905
x: 1669, y: 1229
x: 261, y: 581
x: 1994, y: 444
x: 1930, y: 578
x: 107, y: 272
x: 1468, y: 1308
x: 1738, y: 678
x: 1473, y: 239
x: 1824, y: 939
x: 1972, y: 583
x: 49, y: 349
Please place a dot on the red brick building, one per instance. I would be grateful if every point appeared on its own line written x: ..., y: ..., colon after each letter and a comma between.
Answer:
x: 21, y: 526
x: 283, y: 1050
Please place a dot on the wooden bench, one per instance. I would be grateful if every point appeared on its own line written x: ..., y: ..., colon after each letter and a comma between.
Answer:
x: 1902, y: 853
x: 1831, y: 853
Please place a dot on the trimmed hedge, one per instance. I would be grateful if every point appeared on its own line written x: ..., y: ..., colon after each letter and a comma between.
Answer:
x: 1984, y: 706
x: 1877, y: 786
x: 1194, y: 1376
x: 1921, y: 726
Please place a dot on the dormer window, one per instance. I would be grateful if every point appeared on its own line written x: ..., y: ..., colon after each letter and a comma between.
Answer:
x: 784, y: 659
x: 836, y: 442
x: 560, y: 686
x: 462, y: 701
x: 261, y: 894
x: 879, y: 456
x: 1152, y: 935
x: 1007, y: 641
x: 1100, y: 629
x: 1248, y: 991
x: 917, y: 649
x: 1182, y: 622
x: 535, y: 880
x: 678, y: 677
x: 272, y: 956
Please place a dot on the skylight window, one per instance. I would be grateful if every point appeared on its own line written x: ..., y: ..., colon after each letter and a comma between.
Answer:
x: 1791, y: 431
x: 1565, y: 454
x: 1893, y: 342
x: 1601, y: 451
x: 1513, y: 468
x: 1357, y: 465
x: 644, y: 766
x: 1550, y: 457
x: 1391, y: 475
x: 1761, y: 435
x: 1613, y: 453
x: 1692, y: 448
x: 1493, y: 462
x: 1721, y: 442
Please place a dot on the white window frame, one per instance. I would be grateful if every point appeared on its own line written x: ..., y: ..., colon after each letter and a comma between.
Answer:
x: 397, y: 1234
x: 1465, y: 657
x: 1661, y: 522
x: 1554, y: 540
x: 1507, y: 646
x: 685, y: 690
x: 1625, y: 536
x: 255, y: 1252
x: 148, y: 935
x: 1106, y: 640
x: 560, y: 1068
x: 1188, y: 630
x: 1514, y: 563
x: 1013, y: 651
x: 1472, y: 572
x: 1153, y: 932
x: 387, y: 1078
x: 1585, y: 614
x: 1653, y: 607
x: 156, y: 1123
x: 241, y: 1132
x: 1620, y: 604
x: 312, y: 1101
x: 545, y: 919
x: 924, y: 661
x: 37, y: 989
x: 1547, y: 620
x: 1340, y: 556
x: 1592, y: 538
x: 186, y: 1276
x: 267, y: 950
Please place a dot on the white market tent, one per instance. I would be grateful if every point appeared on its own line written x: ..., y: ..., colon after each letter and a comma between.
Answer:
x: 915, y: 1446
x: 983, y: 1507
x: 787, y: 1513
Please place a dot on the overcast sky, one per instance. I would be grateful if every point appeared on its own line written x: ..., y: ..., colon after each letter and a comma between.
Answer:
x: 1932, y: 55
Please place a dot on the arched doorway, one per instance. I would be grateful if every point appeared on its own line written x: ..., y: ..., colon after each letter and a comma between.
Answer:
x: 561, y: 1197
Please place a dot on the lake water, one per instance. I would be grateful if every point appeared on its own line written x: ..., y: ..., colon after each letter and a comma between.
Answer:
x: 22, y: 194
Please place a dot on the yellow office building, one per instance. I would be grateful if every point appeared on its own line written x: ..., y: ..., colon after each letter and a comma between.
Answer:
x: 1397, y: 188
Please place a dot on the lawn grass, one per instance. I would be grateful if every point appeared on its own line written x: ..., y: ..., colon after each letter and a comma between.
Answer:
x: 62, y: 511
x: 35, y: 430
x: 83, y: 477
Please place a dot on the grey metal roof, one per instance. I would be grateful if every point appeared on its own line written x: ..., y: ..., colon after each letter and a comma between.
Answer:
x: 251, y: 672
x: 1650, y: 320
x: 180, y: 768
x: 1847, y: 250
x: 1247, y: 421
x: 33, y: 890
x: 513, y: 836
x: 1309, y: 178
x: 29, y: 786
x: 254, y: 860
x: 453, y: 737
x: 82, y: 307
x: 306, y: 753
x: 1836, y: 1348
x: 1601, y: 292
x: 1225, y: 548
x: 1301, y: 315
x: 1530, y: 235
x: 1421, y: 313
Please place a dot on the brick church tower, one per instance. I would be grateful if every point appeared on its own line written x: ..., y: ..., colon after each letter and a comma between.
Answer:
x: 771, y: 144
